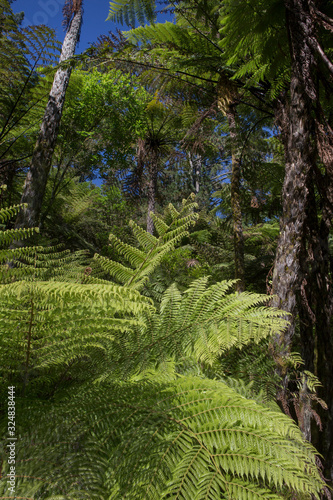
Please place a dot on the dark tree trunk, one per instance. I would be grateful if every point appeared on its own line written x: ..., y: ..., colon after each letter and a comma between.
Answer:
x: 35, y: 183
x: 303, y: 263
x: 152, y: 186
x: 324, y: 359
x: 235, y: 199
x: 316, y: 307
x: 287, y: 275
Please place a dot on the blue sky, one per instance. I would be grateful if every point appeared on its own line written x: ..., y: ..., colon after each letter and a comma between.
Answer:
x: 49, y: 12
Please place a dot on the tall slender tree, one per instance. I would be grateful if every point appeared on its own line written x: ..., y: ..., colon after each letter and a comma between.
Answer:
x: 35, y: 183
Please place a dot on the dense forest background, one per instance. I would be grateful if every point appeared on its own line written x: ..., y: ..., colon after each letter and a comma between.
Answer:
x: 166, y: 253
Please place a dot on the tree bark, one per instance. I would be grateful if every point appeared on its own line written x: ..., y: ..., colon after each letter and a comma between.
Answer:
x: 238, y: 235
x: 35, y: 183
x: 295, y: 123
x: 303, y: 266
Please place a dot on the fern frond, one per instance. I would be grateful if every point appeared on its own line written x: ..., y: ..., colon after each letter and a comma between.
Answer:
x: 188, y: 439
x: 145, y: 239
x: 8, y: 213
x: 133, y: 255
x: 129, y: 11
x: 203, y: 322
x: 10, y: 235
x: 160, y: 226
x: 153, y: 249
x: 67, y: 321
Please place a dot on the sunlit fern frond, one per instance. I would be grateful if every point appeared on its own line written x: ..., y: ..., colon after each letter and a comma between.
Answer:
x: 153, y: 249
x: 202, y: 322
x: 47, y: 326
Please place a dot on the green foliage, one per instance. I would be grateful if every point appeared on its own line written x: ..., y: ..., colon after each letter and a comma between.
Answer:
x: 191, y: 438
x: 153, y: 249
x: 129, y: 11
x: 256, y: 43
x: 111, y: 396
x: 30, y: 354
x: 254, y: 366
x: 103, y: 116
x: 23, y: 90
x: 72, y: 213
x: 46, y: 288
x: 201, y: 323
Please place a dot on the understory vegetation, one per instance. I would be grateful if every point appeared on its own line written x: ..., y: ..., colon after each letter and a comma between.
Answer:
x: 121, y: 396
x: 165, y: 254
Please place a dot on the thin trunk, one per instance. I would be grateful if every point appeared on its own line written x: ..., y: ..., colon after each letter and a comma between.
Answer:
x: 35, y: 183
x: 235, y: 199
x: 195, y: 164
x: 152, y: 186
x: 197, y: 175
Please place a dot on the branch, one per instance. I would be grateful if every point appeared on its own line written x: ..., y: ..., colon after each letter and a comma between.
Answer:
x: 314, y: 44
x: 323, y: 19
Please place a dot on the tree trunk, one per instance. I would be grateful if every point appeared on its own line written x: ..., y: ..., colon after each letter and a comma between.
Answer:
x: 235, y: 199
x: 287, y: 276
x: 152, y: 186
x: 316, y: 304
x: 195, y: 164
x: 302, y: 270
x: 197, y: 173
x: 324, y: 341
x: 295, y: 122
x: 35, y: 183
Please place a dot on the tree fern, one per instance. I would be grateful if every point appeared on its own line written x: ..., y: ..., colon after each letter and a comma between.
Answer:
x: 129, y: 11
x: 95, y: 423
x: 153, y: 249
x: 46, y: 290
x: 189, y: 439
x: 203, y: 322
